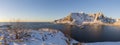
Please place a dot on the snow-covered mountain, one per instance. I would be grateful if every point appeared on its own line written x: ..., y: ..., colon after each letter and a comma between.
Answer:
x: 81, y: 18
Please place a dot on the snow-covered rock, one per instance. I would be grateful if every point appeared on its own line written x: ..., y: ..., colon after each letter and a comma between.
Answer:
x: 43, y: 36
x: 80, y: 18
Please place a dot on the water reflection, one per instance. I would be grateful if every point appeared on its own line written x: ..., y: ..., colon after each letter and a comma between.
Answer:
x: 96, y: 33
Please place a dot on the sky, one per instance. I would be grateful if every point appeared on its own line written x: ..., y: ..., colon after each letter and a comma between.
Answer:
x: 50, y: 10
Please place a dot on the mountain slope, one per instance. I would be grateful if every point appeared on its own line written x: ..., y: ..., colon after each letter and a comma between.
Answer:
x: 81, y: 18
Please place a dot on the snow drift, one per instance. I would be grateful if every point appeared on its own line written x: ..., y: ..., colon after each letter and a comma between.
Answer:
x: 43, y: 36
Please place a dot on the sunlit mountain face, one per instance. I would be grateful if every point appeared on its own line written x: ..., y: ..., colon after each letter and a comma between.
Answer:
x: 83, y: 18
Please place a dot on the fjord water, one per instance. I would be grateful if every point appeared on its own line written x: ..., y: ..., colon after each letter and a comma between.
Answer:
x: 89, y: 33
x: 97, y: 33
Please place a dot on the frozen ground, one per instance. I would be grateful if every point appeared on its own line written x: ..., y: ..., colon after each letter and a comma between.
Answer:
x: 35, y: 37
x: 102, y: 43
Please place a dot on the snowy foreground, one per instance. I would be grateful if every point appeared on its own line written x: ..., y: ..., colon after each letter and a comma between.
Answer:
x: 43, y: 36
x: 36, y: 37
x: 102, y: 43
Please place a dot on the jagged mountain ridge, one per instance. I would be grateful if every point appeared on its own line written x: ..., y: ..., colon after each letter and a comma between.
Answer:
x: 80, y: 18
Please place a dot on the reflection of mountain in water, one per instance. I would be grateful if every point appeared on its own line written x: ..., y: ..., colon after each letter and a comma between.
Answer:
x: 97, y: 33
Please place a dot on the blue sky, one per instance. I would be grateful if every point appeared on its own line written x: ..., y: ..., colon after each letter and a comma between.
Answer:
x: 49, y: 10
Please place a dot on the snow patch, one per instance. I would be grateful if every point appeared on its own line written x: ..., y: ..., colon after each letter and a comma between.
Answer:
x: 43, y: 36
x: 102, y: 43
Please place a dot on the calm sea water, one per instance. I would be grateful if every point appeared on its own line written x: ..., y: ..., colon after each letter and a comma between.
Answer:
x: 37, y: 25
x: 90, y: 33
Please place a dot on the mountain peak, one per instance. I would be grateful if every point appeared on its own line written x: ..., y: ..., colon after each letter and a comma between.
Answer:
x: 80, y: 18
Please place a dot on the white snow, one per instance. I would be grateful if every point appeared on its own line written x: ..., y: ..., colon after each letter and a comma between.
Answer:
x: 44, y: 36
x: 102, y: 43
